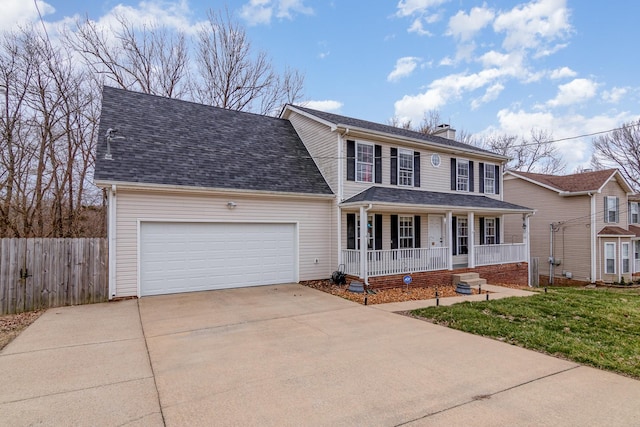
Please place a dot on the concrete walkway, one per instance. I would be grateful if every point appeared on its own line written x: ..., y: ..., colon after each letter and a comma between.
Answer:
x: 287, y: 355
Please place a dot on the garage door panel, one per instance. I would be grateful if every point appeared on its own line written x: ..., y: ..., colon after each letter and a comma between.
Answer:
x: 183, y: 257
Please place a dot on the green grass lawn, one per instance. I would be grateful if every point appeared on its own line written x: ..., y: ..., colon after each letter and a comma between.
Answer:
x: 597, y: 327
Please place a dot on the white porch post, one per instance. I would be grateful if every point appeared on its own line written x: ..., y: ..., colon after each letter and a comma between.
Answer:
x: 449, y: 231
x: 471, y: 241
x: 363, y: 243
x: 619, y: 266
x: 594, y: 240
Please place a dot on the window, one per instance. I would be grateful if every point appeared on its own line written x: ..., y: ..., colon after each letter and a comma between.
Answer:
x: 370, y: 232
x: 489, y: 179
x: 462, y: 235
x: 405, y: 167
x: 634, y: 212
x: 435, y: 160
x: 364, y: 162
x: 626, y: 266
x: 636, y: 251
x: 489, y: 231
x: 462, y: 175
x: 405, y: 224
x: 611, y: 209
x: 610, y: 258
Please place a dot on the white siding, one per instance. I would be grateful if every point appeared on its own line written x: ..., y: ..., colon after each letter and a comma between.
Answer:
x: 322, y: 144
x: 314, y: 219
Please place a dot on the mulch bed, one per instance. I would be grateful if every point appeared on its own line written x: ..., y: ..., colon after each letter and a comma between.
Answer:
x: 382, y: 296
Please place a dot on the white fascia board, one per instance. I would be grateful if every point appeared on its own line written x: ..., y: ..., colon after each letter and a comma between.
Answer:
x: 136, y: 186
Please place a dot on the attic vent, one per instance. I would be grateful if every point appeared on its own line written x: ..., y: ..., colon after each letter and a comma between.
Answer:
x: 445, y: 131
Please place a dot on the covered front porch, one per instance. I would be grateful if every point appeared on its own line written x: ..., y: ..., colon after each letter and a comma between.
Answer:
x: 402, y: 261
x: 406, y: 231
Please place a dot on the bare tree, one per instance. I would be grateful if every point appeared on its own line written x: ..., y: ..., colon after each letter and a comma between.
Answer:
x: 152, y: 59
x: 536, y: 154
x: 231, y: 75
x: 620, y: 149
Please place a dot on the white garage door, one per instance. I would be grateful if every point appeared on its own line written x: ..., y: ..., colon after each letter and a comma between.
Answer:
x: 185, y: 257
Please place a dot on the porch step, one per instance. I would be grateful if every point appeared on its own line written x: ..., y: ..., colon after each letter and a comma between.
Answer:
x: 472, y: 279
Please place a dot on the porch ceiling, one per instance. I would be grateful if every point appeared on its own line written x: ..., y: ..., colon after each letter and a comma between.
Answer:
x: 395, y: 199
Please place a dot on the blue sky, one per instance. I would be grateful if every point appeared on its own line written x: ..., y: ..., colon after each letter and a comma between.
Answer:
x: 564, y: 66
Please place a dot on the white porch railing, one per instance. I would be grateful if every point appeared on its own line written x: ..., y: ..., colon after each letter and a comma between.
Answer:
x: 396, y: 261
x: 500, y: 254
x: 636, y: 265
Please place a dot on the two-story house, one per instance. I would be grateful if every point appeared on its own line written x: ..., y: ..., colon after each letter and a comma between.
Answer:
x: 583, y: 229
x: 204, y: 198
x: 408, y: 202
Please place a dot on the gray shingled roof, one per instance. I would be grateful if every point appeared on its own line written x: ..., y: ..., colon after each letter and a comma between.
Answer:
x: 174, y: 142
x: 337, y: 119
x: 405, y: 196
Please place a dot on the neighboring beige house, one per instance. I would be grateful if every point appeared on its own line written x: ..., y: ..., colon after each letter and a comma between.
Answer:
x: 583, y: 226
x: 204, y: 198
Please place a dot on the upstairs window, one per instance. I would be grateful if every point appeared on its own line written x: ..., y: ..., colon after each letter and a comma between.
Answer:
x: 634, y: 212
x: 462, y: 175
x: 489, y: 179
x: 611, y: 209
x: 364, y: 162
x: 405, y: 167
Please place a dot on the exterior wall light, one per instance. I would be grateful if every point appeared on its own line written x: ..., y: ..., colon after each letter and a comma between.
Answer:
x: 231, y: 205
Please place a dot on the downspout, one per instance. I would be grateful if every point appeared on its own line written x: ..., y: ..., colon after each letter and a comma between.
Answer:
x: 339, y: 199
x: 363, y: 243
x: 594, y: 261
x: 551, y: 260
x: 111, y: 240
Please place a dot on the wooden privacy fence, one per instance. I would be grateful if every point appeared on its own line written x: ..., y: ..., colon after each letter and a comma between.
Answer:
x: 42, y: 273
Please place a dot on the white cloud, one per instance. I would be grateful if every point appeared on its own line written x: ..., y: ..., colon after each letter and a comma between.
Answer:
x: 326, y: 105
x: 286, y: 7
x: 418, y: 28
x: 576, y: 91
x: 17, y: 12
x: 404, y: 68
x: 563, y: 72
x: 490, y: 94
x: 262, y: 11
x: 440, y: 91
x: 410, y: 7
x: 464, y: 26
x: 534, y: 25
x: 257, y: 12
x: 614, y: 95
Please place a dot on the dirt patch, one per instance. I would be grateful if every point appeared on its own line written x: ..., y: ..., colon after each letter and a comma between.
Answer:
x: 12, y: 324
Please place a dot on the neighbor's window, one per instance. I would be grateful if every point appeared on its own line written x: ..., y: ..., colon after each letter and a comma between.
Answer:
x: 462, y: 175
x: 610, y: 258
x: 489, y: 179
x: 489, y: 231
x: 611, y: 213
x: 364, y: 162
x: 626, y: 266
x: 405, y: 223
x: 634, y: 212
x: 405, y: 167
x: 462, y: 235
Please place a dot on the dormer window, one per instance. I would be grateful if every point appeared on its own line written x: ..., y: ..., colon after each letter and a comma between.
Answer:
x: 611, y: 209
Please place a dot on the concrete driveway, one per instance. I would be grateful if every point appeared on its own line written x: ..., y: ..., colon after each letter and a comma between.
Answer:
x: 287, y: 355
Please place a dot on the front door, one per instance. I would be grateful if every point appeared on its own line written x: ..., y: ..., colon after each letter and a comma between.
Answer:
x: 436, y: 238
